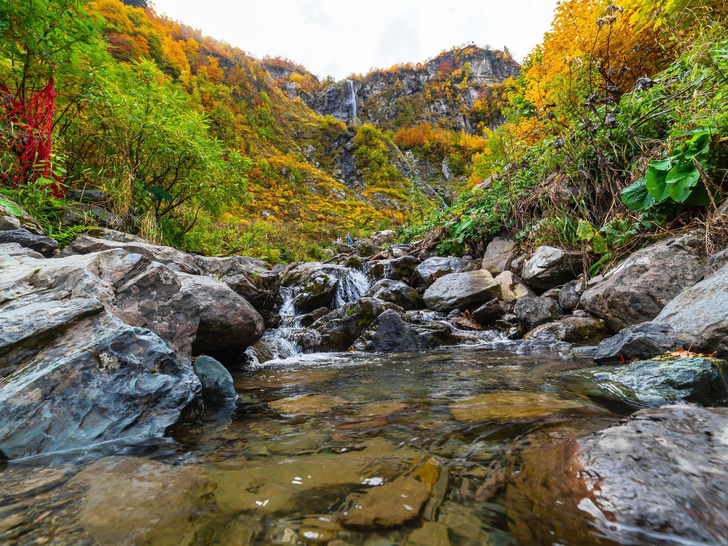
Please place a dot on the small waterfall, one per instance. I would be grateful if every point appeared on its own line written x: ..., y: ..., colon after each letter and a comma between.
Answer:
x: 353, y: 285
x: 352, y: 100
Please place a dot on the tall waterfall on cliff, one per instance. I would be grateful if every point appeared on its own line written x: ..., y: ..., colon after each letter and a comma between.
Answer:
x: 352, y: 100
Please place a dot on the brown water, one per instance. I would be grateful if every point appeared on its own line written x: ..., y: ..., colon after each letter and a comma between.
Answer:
x: 464, y: 446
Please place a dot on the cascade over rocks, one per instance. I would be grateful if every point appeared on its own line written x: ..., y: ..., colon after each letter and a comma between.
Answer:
x: 395, y: 269
x: 642, y: 285
x: 317, y: 285
x: 700, y: 314
x: 549, y: 267
x: 462, y: 290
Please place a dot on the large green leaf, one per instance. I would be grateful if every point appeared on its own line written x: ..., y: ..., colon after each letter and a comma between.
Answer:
x: 637, y: 197
x: 681, y: 180
x: 662, y: 164
x: 698, y: 145
x: 698, y: 197
x: 655, y: 180
x: 12, y: 207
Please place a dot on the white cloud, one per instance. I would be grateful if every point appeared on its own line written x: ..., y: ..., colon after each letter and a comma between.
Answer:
x: 340, y: 37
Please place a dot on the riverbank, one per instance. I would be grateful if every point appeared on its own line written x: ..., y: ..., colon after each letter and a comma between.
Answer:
x: 423, y: 364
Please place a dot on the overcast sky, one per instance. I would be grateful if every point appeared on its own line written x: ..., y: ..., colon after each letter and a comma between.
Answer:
x: 341, y: 37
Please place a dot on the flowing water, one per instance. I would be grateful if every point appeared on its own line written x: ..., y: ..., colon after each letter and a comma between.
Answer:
x: 448, y: 447
x: 352, y: 101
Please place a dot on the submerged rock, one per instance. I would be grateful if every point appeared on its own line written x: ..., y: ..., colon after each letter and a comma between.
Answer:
x: 307, y: 404
x: 700, y: 314
x: 653, y: 383
x: 462, y: 290
x: 90, y: 379
x: 218, y: 388
x: 509, y: 406
x: 663, y: 473
x: 643, y: 341
x: 549, y: 267
x: 642, y: 285
x: 152, y: 502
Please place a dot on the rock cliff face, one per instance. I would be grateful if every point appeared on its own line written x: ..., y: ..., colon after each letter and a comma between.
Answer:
x: 442, y: 91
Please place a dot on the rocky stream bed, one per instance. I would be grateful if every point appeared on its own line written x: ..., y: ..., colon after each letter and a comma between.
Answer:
x: 385, y: 397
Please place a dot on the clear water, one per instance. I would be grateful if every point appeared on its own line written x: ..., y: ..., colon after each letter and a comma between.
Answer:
x: 335, y: 449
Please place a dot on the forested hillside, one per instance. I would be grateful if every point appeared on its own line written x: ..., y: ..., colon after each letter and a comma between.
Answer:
x: 615, y: 135
x: 206, y: 148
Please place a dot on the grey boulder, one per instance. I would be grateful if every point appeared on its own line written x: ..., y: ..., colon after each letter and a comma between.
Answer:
x: 642, y: 285
x: 571, y: 329
x: 661, y: 477
x: 646, y: 340
x: 40, y: 243
x: 699, y: 315
x: 549, y: 267
x: 87, y: 378
x: 426, y: 273
x: 398, y: 293
x: 653, y: 383
x: 532, y: 312
x: 498, y: 255
x: 462, y: 290
x: 389, y: 333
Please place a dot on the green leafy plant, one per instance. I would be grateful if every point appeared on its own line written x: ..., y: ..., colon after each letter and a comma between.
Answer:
x: 674, y: 180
